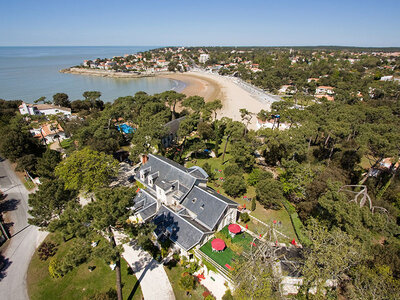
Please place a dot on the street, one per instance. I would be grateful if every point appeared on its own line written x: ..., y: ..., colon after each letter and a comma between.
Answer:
x: 24, y: 237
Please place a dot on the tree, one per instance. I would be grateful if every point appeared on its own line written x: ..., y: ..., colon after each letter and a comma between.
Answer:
x: 232, y: 169
x: 331, y: 254
x: 195, y: 103
x: 254, y: 279
x: 246, y: 117
x: 257, y: 175
x: 172, y: 98
x: 47, y: 163
x: 233, y: 130
x: 42, y: 99
x: 109, y: 211
x: 234, y: 185
x: 87, y: 169
x: 207, y: 167
x: 242, y: 153
x: 269, y: 193
x: 49, y: 202
x: 212, y: 107
x: 18, y: 142
x: 61, y: 99
x: 27, y: 163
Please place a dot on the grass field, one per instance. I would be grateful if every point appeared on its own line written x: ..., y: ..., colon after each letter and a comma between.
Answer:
x: 79, y: 283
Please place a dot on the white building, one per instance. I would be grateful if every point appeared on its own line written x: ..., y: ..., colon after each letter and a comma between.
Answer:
x: 325, y: 90
x: 203, y: 58
x: 43, y: 109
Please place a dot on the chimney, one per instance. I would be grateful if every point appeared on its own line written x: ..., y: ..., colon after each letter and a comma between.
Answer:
x: 144, y: 159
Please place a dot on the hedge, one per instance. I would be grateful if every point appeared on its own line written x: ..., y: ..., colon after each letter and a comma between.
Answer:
x: 297, y: 224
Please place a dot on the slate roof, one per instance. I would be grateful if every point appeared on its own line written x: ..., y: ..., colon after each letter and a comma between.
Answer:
x: 145, y: 204
x: 182, y: 232
x: 198, y: 172
x: 207, y: 205
x: 169, y: 174
x: 173, y: 125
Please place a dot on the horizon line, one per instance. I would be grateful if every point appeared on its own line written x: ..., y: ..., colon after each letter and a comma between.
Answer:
x: 213, y: 46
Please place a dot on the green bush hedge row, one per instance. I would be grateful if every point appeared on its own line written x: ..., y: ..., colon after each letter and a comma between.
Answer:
x: 297, y: 224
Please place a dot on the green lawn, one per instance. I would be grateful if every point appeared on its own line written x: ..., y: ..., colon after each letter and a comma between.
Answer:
x: 79, y: 283
x: 29, y: 184
x: 174, y: 275
x: 233, y: 251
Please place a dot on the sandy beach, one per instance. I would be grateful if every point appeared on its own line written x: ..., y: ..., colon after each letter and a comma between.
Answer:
x: 233, y: 96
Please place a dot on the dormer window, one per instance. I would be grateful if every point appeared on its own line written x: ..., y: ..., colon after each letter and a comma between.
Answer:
x: 194, y: 200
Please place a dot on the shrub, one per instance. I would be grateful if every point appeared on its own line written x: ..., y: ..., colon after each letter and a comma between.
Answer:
x: 209, y: 266
x: 209, y: 297
x: 245, y: 217
x: 193, y: 267
x: 187, y: 283
x: 205, y: 294
x: 55, y: 268
x: 253, y: 204
x: 111, y: 294
x: 227, y: 295
x: 46, y: 250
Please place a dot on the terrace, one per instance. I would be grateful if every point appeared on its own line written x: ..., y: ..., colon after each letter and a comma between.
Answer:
x: 235, y: 248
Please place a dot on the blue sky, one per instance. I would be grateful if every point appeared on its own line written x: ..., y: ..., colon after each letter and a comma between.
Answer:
x: 190, y: 23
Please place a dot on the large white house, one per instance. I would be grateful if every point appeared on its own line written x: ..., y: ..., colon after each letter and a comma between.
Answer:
x: 43, y: 109
x: 179, y: 203
x: 203, y: 58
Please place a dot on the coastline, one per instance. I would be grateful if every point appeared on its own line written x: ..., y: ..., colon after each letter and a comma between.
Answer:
x: 104, y: 73
x: 233, y: 93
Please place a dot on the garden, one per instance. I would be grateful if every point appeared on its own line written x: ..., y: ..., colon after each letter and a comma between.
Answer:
x: 235, y: 248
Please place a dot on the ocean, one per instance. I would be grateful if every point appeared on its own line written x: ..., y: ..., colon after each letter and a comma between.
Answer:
x: 28, y: 73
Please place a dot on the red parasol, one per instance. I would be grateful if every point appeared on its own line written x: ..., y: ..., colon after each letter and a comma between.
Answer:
x: 294, y: 242
x: 234, y: 228
x: 218, y: 244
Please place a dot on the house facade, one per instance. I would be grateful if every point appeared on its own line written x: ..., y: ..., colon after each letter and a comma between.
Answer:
x: 179, y: 203
x: 43, y: 109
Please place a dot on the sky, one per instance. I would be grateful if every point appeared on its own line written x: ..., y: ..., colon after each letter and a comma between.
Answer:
x: 365, y: 23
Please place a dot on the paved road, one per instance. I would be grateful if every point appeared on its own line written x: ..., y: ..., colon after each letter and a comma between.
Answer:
x: 24, y: 240
x: 153, y: 279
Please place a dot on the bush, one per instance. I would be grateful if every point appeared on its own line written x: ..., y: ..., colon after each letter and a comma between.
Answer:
x: 193, y: 267
x: 209, y: 297
x: 297, y: 224
x: 227, y: 295
x: 233, y: 169
x: 257, y: 175
x: 55, y: 268
x: 46, y: 250
x: 235, y: 186
x: 207, y: 168
x: 111, y: 294
x: 253, y: 204
x: 245, y: 217
x: 187, y: 282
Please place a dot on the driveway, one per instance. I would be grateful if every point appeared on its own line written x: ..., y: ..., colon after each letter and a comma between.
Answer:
x: 24, y: 237
x: 151, y: 275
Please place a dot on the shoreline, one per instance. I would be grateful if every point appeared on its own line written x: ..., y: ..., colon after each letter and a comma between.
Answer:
x: 233, y: 92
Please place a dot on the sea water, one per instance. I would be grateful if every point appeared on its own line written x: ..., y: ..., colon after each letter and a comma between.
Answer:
x: 28, y: 73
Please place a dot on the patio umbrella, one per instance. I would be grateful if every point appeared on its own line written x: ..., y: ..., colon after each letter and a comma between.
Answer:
x: 218, y: 244
x: 234, y: 228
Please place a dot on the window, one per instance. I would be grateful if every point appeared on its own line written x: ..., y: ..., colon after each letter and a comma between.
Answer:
x: 194, y: 200
x: 202, y: 206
